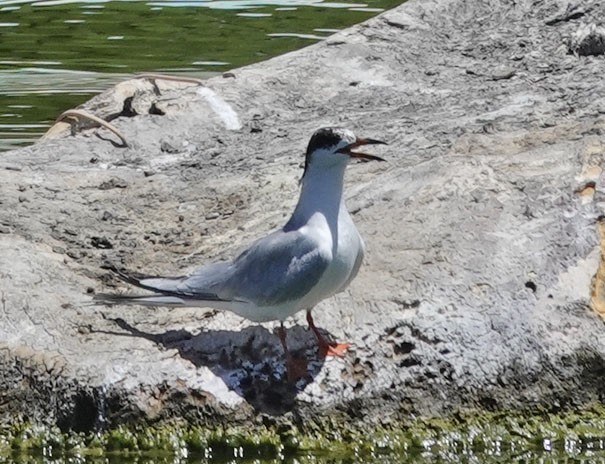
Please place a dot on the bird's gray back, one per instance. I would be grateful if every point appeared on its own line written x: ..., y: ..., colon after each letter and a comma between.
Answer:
x: 281, y: 267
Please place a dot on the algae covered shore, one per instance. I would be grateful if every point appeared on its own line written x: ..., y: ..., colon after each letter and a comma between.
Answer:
x: 484, y: 437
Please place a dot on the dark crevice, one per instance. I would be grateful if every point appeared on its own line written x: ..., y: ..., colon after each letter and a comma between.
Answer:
x: 532, y: 286
x: 409, y: 361
x: 155, y: 110
x: 127, y: 111
x: 83, y: 417
x: 568, y: 16
x: 403, y: 348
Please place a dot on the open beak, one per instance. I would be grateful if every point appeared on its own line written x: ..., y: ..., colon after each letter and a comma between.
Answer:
x: 358, y: 143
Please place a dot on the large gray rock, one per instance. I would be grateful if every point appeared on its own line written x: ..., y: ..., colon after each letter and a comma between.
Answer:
x: 477, y: 290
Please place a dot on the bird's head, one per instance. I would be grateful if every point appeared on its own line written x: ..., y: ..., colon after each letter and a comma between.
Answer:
x: 333, y: 145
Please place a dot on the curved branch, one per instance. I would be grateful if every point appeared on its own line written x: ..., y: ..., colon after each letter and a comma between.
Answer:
x: 81, y: 114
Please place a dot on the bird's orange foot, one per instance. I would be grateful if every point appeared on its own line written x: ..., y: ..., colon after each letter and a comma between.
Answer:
x: 326, y: 348
x: 332, y: 349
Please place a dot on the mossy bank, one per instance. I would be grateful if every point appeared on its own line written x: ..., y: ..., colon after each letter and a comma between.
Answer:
x: 491, y: 437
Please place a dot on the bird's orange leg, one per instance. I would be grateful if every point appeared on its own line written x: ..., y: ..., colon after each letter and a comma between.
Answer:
x: 295, y: 368
x: 326, y: 348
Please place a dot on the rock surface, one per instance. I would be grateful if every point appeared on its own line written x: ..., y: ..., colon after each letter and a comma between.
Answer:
x: 483, y: 265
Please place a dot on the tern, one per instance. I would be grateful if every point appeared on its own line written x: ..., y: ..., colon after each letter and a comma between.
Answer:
x: 314, y: 256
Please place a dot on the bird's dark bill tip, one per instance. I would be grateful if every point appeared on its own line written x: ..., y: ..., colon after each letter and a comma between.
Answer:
x: 365, y: 156
x: 372, y: 142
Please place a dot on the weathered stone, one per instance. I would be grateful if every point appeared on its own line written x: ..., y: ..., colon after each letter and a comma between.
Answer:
x: 483, y: 254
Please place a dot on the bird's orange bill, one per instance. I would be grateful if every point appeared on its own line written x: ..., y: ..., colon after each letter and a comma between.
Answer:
x: 365, y: 156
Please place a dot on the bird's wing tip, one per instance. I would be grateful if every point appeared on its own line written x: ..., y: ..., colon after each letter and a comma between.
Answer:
x: 130, y: 277
x: 109, y: 299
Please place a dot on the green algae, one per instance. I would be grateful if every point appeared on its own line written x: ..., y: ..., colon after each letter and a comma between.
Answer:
x: 489, y: 435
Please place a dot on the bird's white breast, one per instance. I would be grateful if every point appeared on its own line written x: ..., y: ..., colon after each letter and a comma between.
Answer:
x: 345, y: 245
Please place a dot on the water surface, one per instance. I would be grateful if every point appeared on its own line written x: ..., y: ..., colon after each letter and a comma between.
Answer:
x: 56, y: 54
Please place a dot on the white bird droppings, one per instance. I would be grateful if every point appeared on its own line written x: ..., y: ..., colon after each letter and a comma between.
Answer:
x: 221, y: 108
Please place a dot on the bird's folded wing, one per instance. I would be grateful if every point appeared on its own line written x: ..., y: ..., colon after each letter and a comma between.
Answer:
x: 281, y: 267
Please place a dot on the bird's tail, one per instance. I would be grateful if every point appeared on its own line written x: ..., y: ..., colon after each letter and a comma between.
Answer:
x: 147, y: 282
x: 111, y: 299
x: 166, y: 292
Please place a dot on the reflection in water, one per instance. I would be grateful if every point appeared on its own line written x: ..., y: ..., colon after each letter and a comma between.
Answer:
x: 56, y: 54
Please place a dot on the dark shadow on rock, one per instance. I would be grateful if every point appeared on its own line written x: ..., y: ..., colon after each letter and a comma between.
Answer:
x: 113, y: 142
x: 251, y: 361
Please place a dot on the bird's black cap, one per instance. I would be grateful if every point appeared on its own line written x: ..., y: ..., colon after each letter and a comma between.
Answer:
x: 324, y: 137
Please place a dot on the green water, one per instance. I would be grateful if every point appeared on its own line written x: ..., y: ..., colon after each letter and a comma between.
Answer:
x: 56, y: 54
x: 569, y: 453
